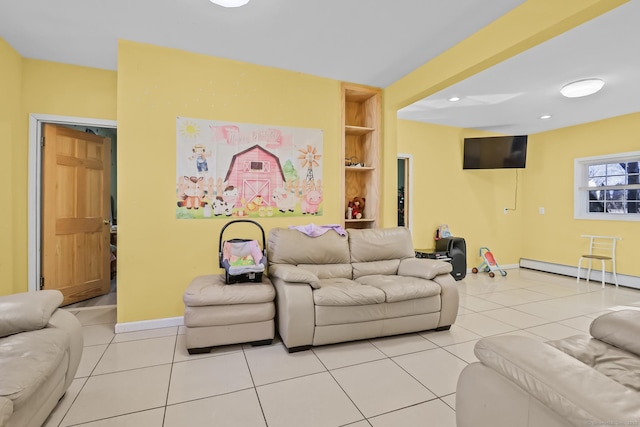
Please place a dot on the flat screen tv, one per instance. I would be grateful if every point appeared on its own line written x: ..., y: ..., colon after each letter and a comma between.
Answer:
x: 495, y: 152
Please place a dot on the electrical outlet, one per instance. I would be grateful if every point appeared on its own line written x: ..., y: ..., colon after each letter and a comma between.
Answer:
x: 505, y: 210
x: 541, y: 210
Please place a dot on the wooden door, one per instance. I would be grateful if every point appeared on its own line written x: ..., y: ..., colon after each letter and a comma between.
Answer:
x: 75, y: 213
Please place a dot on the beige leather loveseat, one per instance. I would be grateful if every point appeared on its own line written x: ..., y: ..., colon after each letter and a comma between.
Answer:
x: 334, y: 288
x: 40, y: 349
x: 577, y: 381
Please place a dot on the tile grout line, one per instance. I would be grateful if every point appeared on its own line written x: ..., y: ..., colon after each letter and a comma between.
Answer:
x: 548, y: 322
x: 173, y: 358
x: 255, y: 388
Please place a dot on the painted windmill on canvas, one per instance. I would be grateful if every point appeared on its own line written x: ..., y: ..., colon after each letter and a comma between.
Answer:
x: 309, y: 158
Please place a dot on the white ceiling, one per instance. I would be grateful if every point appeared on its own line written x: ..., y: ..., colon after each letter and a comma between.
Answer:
x: 510, y: 97
x: 373, y: 42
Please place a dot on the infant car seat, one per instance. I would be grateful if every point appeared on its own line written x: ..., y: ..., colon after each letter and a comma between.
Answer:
x: 242, y: 259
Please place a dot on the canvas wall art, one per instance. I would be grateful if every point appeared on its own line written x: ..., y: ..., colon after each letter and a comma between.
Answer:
x: 243, y: 170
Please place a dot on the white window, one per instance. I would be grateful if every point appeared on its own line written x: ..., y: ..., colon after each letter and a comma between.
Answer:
x: 607, y: 187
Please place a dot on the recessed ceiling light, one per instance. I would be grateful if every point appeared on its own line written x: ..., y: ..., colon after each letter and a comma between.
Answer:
x: 230, y: 3
x: 582, y: 88
x: 545, y: 116
x: 454, y: 99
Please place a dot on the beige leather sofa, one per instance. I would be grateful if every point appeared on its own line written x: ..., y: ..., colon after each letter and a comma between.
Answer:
x: 40, y: 349
x: 368, y: 284
x: 577, y: 381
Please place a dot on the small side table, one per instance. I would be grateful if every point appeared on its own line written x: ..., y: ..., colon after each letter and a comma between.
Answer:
x: 219, y: 314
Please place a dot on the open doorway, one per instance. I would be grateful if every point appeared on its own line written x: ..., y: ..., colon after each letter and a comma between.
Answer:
x: 80, y: 156
x: 405, y: 174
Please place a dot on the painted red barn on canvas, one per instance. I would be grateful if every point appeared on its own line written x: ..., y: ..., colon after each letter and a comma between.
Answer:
x: 256, y: 173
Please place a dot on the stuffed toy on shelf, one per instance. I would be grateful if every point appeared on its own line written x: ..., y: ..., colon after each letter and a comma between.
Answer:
x: 357, y: 207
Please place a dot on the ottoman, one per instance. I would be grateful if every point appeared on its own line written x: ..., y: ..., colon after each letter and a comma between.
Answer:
x: 219, y: 314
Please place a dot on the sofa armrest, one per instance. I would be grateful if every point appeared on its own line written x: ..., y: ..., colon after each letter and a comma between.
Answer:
x: 423, y: 268
x: 620, y: 329
x: 438, y: 271
x: 575, y: 391
x: 449, y: 299
x: 27, y: 311
x: 293, y: 274
x: 296, y: 313
x: 66, y: 321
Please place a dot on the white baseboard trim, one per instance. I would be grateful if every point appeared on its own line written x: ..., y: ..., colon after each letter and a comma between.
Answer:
x: 565, y: 270
x: 572, y: 271
x: 143, y: 325
x: 92, y: 307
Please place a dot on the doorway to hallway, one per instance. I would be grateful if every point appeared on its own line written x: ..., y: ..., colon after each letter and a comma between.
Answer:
x: 73, y: 208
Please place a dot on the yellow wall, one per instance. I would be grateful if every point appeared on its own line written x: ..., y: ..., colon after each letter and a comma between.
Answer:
x: 529, y: 24
x: 471, y: 202
x: 554, y: 236
x: 69, y: 90
x: 10, y: 131
x: 41, y: 87
x: 158, y: 254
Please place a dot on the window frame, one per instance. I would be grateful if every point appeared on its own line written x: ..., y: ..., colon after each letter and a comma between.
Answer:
x: 581, y: 188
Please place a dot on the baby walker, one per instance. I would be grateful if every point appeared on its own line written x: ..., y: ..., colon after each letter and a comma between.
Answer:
x: 489, y: 264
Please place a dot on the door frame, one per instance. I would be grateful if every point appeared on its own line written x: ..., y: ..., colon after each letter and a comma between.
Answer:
x: 34, y: 194
x: 408, y: 197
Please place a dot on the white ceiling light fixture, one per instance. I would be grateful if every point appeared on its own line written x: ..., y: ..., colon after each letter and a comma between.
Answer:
x: 581, y: 88
x: 230, y: 3
x: 454, y: 99
x: 545, y: 117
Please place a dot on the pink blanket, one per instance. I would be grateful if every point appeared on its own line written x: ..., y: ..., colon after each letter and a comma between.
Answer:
x: 313, y: 230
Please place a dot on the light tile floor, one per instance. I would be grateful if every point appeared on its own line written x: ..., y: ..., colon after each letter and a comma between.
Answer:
x: 147, y: 379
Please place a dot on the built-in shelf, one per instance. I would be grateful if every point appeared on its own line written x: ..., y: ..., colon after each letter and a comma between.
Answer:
x: 359, y: 168
x: 361, y: 145
x: 357, y: 130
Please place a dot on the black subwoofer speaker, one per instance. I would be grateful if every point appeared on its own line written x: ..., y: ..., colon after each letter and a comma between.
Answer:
x: 456, y: 249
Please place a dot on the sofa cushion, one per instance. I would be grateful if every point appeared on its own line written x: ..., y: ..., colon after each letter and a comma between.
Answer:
x: 27, y: 311
x: 620, y: 329
x: 424, y: 268
x: 619, y: 365
x: 235, y: 314
x: 328, y: 271
x: 342, y: 314
x: 414, y: 307
x: 401, y: 288
x: 388, y: 266
x: 346, y: 292
x: 375, y: 244
x: 28, y: 360
x: 6, y: 409
x: 287, y: 246
x: 211, y: 290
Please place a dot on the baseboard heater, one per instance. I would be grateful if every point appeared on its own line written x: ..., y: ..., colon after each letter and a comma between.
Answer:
x: 572, y: 271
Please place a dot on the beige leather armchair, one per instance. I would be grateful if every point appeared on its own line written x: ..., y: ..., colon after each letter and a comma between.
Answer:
x: 577, y: 381
x: 334, y: 288
x: 40, y: 350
